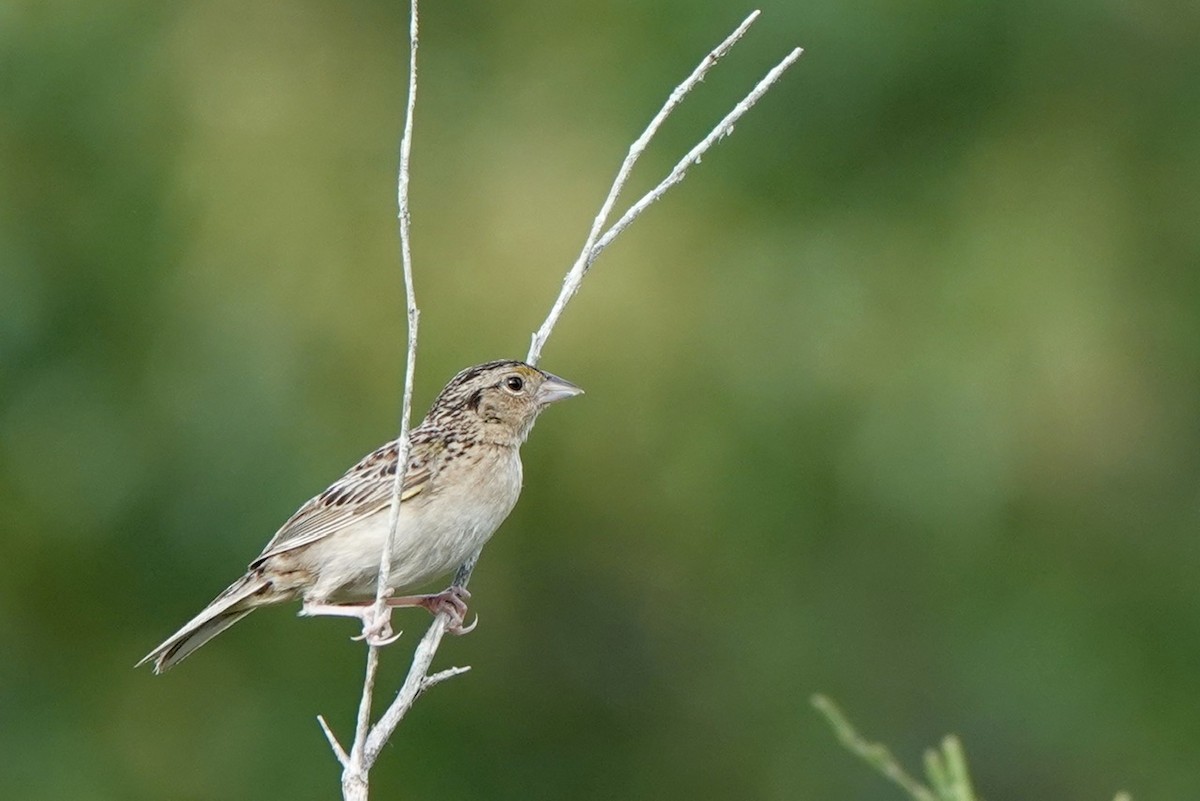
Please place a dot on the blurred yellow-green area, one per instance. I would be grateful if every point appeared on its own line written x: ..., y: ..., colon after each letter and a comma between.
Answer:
x: 895, y: 398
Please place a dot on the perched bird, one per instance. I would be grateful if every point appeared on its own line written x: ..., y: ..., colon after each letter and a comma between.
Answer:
x: 462, y: 479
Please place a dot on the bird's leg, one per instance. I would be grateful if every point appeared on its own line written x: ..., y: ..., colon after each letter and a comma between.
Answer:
x: 452, y: 601
x: 377, y: 630
x: 377, y: 626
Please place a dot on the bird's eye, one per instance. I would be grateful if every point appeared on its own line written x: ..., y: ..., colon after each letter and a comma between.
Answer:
x: 515, y: 383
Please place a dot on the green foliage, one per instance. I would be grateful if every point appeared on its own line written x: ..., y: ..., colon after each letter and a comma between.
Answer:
x: 945, y: 769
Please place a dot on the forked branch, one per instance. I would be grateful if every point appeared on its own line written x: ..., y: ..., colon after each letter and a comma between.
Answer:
x: 597, y: 242
x: 368, y: 739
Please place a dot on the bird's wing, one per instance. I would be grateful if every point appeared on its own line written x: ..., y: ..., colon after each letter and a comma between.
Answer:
x: 364, y: 490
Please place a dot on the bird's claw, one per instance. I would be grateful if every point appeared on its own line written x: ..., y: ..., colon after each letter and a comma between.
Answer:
x: 377, y: 628
x: 377, y: 638
x: 452, y: 601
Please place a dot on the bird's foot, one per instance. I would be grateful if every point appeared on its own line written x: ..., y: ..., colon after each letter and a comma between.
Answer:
x: 377, y: 627
x: 452, y: 601
x: 377, y: 623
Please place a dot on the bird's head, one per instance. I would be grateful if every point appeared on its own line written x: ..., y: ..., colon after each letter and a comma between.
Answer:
x: 501, y: 398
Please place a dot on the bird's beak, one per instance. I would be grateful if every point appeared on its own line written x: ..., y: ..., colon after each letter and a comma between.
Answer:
x: 555, y: 389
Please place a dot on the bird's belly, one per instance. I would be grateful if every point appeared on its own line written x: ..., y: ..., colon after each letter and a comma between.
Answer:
x: 433, y: 536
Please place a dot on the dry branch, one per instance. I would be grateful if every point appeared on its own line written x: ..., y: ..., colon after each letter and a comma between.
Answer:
x: 368, y: 739
x: 356, y: 765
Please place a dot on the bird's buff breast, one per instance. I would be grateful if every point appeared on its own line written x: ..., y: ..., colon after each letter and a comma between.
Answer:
x: 436, y: 532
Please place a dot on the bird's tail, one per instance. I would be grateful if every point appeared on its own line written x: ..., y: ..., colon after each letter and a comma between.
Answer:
x: 226, y: 609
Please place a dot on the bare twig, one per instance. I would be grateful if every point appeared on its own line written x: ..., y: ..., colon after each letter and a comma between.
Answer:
x: 338, y: 751
x: 723, y: 129
x: 404, y: 216
x: 357, y: 765
x: 442, y: 675
x: 413, y: 684
x: 575, y: 275
x: 595, y: 243
x: 355, y: 769
x: 406, y: 257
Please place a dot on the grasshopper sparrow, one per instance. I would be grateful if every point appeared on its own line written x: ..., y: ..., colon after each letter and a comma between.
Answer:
x: 462, y: 479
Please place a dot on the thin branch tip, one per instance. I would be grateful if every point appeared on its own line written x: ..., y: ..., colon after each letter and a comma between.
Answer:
x: 342, y: 757
x: 443, y: 675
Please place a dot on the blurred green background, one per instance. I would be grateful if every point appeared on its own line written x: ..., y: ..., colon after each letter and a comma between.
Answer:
x: 894, y: 399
